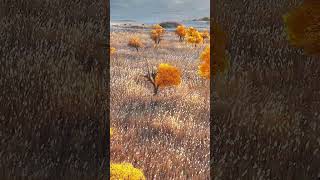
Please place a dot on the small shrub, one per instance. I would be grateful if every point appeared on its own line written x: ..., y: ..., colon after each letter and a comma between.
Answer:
x: 181, y: 32
x: 157, y: 33
x: 125, y: 171
x: 166, y: 75
x: 220, y: 65
x: 194, y: 36
x: 112, y: 50
x: 135, y: 42
x: 204, y: 68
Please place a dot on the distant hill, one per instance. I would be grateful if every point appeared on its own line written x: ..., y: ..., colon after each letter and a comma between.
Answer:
x: 169, y: 24
x: 202, y: 19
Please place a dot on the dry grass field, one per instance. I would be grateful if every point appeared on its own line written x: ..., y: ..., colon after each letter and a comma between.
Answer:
x: 266, y: 113
x: 48, y: 106
x: 166, y: 135
x: 266, y: 109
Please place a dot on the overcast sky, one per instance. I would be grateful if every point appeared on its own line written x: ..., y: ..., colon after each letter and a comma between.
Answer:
x: 158, y: 10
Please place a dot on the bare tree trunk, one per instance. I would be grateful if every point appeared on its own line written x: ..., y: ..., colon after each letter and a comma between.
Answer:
x: 155, y: 89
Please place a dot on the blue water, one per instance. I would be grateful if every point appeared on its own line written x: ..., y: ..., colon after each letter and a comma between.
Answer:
x: 149, y: 12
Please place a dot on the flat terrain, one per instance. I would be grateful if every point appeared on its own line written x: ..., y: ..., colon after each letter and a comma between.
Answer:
x: 167, y: 135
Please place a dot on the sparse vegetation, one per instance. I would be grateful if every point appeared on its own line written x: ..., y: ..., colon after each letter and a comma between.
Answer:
x: 135, y: 42
x: 204, y: 68
x: 181, y: 32
x: 194, y: 36
x: 165, y: 135
x: 165, y: 76
x: 157, y: 33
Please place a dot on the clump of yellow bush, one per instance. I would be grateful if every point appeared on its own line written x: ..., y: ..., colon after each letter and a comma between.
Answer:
x: 221, y: 63
x: 204, y: 68
x: 135, y: 42
x: 302, y: 25
x: 157, y: 33
x: 167, y: 75
x: 194, y: 36
x: 112, y: 50
x: 125, y: 171
x: 181, y: 32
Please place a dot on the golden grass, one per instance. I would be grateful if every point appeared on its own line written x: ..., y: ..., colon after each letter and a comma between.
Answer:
x: 167, y: 135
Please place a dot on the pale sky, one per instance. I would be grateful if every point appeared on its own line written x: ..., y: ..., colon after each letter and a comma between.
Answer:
x: 158, y: 10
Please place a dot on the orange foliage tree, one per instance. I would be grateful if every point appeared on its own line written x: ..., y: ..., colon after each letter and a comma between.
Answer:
x: 204, y: 67
x: 221, y: 63
x: 194, y: 36
x: 181, y: 32
x: 166, y: 75
x: 135, y: 42
x: 157, y: 33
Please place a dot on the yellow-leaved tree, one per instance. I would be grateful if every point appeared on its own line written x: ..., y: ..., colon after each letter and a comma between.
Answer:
x: 168, y: 75
x: 204, y: 67
x: 221, y: 62
x: 302, y: 26
x: 125, y: 171
x: 181, y: 31
x: 157, y: 33
x: 135, y: 42
x: 164, y: 76
x: 194, y: 36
